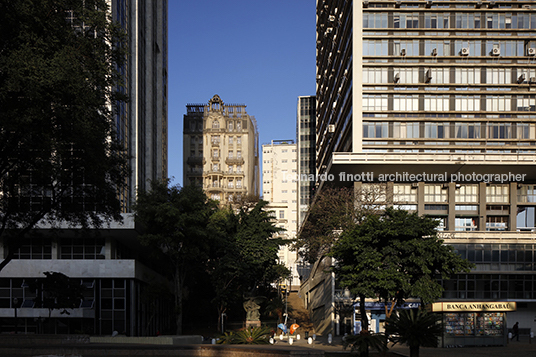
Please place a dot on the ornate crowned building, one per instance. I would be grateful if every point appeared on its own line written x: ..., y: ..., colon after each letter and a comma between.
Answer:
x: 221, y: 150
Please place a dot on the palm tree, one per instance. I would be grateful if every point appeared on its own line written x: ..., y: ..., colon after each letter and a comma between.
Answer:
x: 415, y: 328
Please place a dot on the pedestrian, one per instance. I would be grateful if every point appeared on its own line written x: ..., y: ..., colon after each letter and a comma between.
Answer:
x: 515, y: 331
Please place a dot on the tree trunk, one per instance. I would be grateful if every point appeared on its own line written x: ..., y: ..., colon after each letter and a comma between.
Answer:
x: 413, y: 351
x: 363, y: 313
x: 178, y: 299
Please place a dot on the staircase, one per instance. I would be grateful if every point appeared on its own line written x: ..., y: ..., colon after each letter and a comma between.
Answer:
x: 299, y: 314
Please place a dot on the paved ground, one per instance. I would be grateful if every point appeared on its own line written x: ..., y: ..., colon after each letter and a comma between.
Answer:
x: 514, y: 349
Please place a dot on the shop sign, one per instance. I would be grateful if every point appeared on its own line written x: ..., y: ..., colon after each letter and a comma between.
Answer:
x: 474, y: 306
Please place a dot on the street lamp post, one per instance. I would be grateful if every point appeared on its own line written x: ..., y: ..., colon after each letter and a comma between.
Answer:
x: 15, y: 303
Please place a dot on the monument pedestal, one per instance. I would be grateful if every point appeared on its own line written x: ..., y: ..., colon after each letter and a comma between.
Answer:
x: 253, y: 324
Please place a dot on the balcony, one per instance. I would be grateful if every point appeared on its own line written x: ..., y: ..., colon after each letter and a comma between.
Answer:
x: 234, y: 160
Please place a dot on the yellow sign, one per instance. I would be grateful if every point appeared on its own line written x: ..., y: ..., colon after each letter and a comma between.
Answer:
x: 474, y: 306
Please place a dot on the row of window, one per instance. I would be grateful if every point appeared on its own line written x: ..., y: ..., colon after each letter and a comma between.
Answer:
x: 231, y: 124
x: 446, y: 20
x: 460, y: 103
x: 80, y: 248
x: 492, y: 286
x: 446, y: 47
x: 231, y: 169
x: 461, y: 130
x: 447, y: 75
x: 216, y: 140
x: 231, y: 183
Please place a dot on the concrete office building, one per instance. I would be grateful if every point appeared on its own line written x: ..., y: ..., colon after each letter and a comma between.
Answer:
x: 436, y: 100
x: 110, y: 263
x: 279, y: 188
x: 306, y: 149
x: 221, y: 150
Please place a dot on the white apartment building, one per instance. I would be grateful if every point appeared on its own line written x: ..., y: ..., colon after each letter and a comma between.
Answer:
x: 280, y: 189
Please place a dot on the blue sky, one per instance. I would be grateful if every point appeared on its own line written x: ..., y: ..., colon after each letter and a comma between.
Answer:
x: 260, y: 53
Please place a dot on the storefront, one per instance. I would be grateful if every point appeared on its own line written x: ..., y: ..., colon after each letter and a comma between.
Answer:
x: 474, y: 323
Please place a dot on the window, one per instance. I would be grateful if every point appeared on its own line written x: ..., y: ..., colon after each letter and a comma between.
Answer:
x: 375, y: 102
x: 498, y: 223
x: 230, y: 126
x: 238, y: 154
x: 526, y: 193
x: 407, y: 75
x: 465, y: 224
x: 230, y: 140
x: 230, y: 184
x: 215, y: 139
x: 526, y: 103
x: 436, y: 102
x: 467, y: 75
x: 404, y: 193
x: 239, y: 184
x: 215, y: 124
x: 405, y: 130
x: 281, y: 214
x: 375, y: 75
x: 498, y: 76
x: 436, y: 130
x: 499, y: 130
x: 497, y: 193
x: 215, y: 153
x: 407, y: 102
x: 81, y: 248
x: 467, y: 103
x: 231, y: 154
x: 467, y: 130
x: 35, y: 248
x: 238, y: 140
x: 466, y: 193
x: 375, y: 130
x: 435, y: 193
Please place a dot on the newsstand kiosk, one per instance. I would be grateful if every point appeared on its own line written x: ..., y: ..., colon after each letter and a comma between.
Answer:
x: 474, y: 323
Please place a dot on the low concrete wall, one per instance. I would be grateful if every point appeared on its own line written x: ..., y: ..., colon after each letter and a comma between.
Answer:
x: 126, y: 350
x: 150, y: 340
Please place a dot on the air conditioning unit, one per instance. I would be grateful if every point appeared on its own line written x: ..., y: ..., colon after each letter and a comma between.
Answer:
x: 434, y: 52
x: 521, y: 78
x: 428, y: 76
x: 531, y: 51
x: 496, y: 51
x: 331, y: 128
x: 403, y: 52
x: 464, y: 51
x: 396, y: 78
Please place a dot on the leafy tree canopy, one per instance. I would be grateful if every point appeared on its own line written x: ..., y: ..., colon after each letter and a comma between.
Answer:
x: 60, y: 158
x: 175, y: 221
x: 394, y: 256
x: 244, y: 253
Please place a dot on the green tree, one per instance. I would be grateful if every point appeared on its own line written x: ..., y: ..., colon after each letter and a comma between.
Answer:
x: 244, y: 253
x: 61, y: 160
x: 175, y: 222
x: 394, y: 256
x: 415, y: 328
